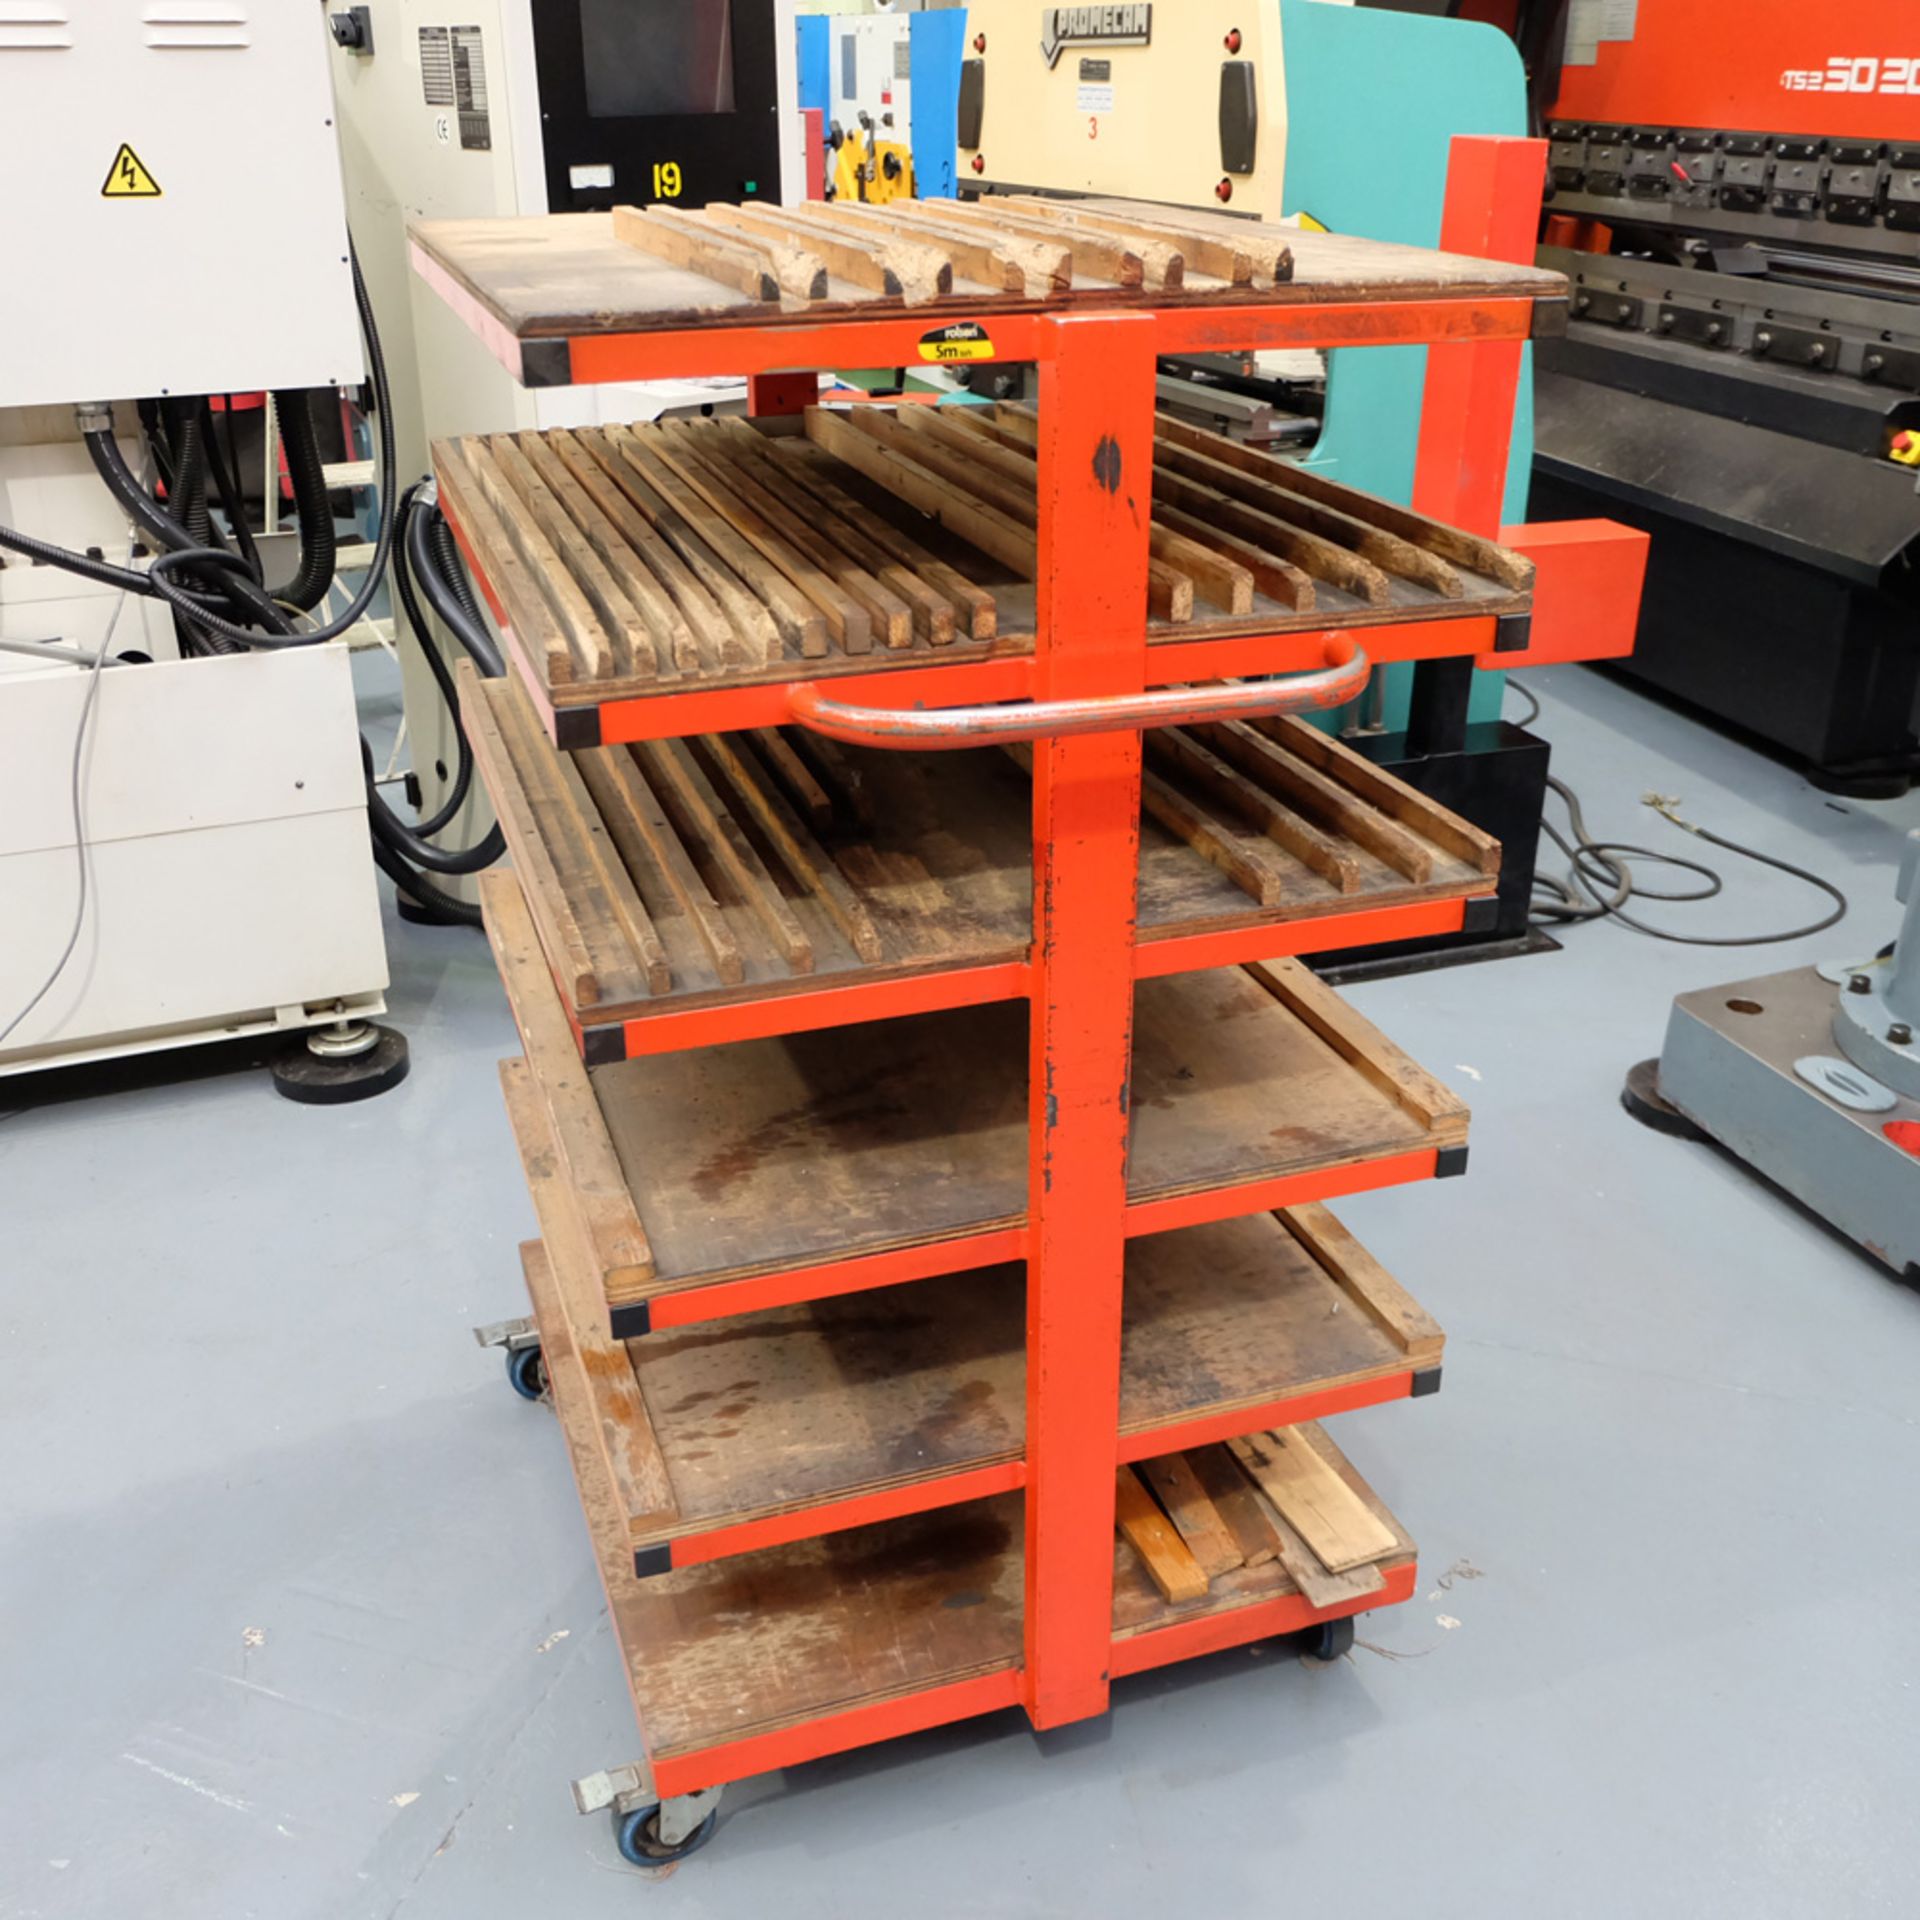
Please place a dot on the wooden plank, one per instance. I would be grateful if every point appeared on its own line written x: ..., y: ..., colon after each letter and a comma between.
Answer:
x: 1190, y: 1507
x: 560, y: 935
x: 645, y: 836
x: 538, y: 632
x: 1240, y: 856
x: 1362, y: 1044
x: 1464, y: 549
x: 621, y: 1249
x: 1239, y: 1507
x: 898, y: 268
x: 807, y: 534
x: 931, y: 613
x: 1303, y: 1568
x: 1258, y: 257
x: 769, y: 269
x: 625, y: 632
x: 805, y: 858
x: 1388, y: 551
x: 1320, y: 798
x: 833, y: 766
x: 1323, y: 559
x: 915, y: 433
x: 1228, y: 584
x: 640, y: 560
x: 1034, y: 269
x: 842, y: 617
x: 1014, y: 544
x: 629, y: 961
x: 624, y: 595
x: 571, y: 1313
x: 793, y: 773
x: 701, y: 816
x: 587, y: 643
x: 1327, y: 1514
x: 972, y: 605
x: 1381, y: 789
x: 1096, y: 256
x: 733, y: 624
x: 1366, y: 1283
x: 1313, y: 849
x: 1151, y: 1535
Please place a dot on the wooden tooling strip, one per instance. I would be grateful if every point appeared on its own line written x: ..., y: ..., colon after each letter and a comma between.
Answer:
x: 653, y: 557
x: 1195, y: 1518
x: 730, y: 862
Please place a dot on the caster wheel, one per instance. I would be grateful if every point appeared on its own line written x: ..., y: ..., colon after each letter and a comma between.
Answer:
x: 527, y: 1373
x: 1642, y: 1098
x: 638, y: 1834
x: 1330, y: 1640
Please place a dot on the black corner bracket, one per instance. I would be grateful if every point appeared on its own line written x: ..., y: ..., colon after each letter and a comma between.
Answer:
x: 1426, y: 1381
x: 1449, y: 1163
x: 630, y: 1322
x: 575, y: 728
x: 1481, y: 916
x: 1513, y: 633
x: 603, y: 1046
x: 647, y: 1561
x: 546, y: 363
x: 1549, y: 319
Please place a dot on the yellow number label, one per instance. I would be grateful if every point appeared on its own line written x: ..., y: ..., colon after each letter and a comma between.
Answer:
x: 666, y: 180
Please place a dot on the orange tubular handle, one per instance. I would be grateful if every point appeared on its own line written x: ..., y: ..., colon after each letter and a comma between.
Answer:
x: 939, y: 729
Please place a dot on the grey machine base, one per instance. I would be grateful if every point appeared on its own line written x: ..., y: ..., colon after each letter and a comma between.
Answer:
x: 1731, y: 1072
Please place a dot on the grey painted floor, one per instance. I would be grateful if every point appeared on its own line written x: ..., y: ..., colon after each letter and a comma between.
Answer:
x: 297, y: 1616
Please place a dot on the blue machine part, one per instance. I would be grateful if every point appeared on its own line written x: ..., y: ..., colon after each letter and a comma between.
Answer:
x: 1374, y: 100
x: 816, y: 64
x: 936, y: 44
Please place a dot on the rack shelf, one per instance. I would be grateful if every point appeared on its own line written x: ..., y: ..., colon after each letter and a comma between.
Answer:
x: 831, y: 1162
x: 679, y: 887
x: 745, y: 1664
x: 812, y: 1418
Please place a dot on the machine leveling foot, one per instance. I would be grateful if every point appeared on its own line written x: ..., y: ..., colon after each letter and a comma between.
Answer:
x: 343, y: 1061
x: 1642, y: 1098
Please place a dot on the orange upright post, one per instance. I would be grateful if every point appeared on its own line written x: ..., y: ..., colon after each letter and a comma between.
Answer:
x: 1096, y: 496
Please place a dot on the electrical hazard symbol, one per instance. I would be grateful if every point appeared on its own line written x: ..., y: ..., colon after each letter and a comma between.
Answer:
x: 128, y: 178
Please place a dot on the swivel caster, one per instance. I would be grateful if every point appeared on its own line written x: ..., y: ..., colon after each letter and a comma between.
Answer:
x: 527, y: 1372
x: 639, y: 1836
x: 1330, y: 1640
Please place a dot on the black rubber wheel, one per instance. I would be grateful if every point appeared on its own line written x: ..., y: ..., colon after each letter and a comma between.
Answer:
x: 1330, y: 1640
x: 527, y: 1373
x: 315, y: 1081
x: 1642, y: 1098
x: 638, y: 1836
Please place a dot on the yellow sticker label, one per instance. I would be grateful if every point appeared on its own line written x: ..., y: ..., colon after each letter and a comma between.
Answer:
x: 128, y: 178
x: 964, y: 340
x: 1308, y: 224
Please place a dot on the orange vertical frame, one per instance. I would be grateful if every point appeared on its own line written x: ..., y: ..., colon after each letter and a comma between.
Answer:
x: 1096, y: 495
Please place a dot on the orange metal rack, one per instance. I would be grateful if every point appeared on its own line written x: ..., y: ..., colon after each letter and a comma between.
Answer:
x: 1092, y: 683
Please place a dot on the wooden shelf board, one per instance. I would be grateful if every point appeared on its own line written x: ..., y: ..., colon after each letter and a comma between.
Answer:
x: 563, y: 276
x: 824, y: 1146
x: 931, y: 849
x: 749, y: 1426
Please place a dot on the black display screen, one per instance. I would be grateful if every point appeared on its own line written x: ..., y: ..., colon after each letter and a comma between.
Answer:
x: 645, y: 59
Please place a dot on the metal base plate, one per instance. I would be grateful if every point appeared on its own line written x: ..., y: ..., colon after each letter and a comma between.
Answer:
x: 1728, y: 1066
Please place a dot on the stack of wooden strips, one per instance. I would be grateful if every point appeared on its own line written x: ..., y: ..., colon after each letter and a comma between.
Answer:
x: 712, y: 551
x: 696, y: 865
x: 1194, y: 1516
x: 927, y: 252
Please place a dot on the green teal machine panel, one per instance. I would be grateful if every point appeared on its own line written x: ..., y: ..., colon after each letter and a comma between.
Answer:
x: 1374, y: 99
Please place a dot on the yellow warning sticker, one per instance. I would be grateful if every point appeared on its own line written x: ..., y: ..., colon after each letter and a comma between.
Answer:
x: 964, y: 340
x: 128, y: 178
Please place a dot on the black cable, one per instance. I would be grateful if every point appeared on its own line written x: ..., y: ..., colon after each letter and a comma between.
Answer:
x: 434, y: 902
x: 319, y: 544
x: 1601, y: 881
x: 224, y: 465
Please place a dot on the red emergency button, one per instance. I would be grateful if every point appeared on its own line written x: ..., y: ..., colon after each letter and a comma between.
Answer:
x: 1224, y: 191
x: 1233, y: 41
x: 979, y: 43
